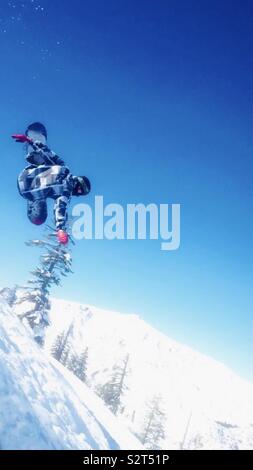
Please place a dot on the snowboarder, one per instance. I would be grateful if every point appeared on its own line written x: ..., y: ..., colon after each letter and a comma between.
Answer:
x: 46, y: 176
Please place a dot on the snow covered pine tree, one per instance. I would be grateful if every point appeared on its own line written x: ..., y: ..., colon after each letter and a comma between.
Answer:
x: 154, y: 424
x: 77, y: 363
x: 61, y: 348
x: 54, y: 263
x: 112, y: 391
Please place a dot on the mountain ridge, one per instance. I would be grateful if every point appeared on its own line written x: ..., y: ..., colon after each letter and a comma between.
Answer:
x: 191, y: 383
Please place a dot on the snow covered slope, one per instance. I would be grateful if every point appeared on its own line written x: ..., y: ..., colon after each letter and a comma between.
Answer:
x: 205, y: 405
x: 42, y: 405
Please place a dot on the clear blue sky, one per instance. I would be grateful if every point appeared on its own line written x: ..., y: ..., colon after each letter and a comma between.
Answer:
x: 153, y: 101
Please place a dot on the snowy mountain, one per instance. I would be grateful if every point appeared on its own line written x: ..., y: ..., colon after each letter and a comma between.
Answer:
x: 43, y: 405
x: 171, y: 397
x: 200, y: 403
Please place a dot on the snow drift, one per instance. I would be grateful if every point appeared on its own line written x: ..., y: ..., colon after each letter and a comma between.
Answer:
x: 44, y: 406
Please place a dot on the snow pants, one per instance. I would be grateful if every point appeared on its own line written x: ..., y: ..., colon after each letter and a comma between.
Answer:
x: 36, y: 184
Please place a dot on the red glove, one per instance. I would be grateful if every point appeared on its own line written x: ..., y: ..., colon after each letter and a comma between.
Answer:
x: 22, y: 138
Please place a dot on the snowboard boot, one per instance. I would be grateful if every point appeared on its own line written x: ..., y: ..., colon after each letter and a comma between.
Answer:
x: 37, y: 211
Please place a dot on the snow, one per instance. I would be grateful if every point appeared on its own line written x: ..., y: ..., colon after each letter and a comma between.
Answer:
x: 44, y: 406
x: 217, y: 404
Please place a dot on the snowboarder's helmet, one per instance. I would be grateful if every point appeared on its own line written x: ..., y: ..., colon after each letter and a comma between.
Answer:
x: 81, y: 186
x: 37, y: 127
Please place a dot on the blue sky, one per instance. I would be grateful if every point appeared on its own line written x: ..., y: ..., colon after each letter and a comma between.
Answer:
x: 152, y: 101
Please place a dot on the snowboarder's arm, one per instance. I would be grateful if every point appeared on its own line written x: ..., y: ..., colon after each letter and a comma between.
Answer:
x: 50, y: 157
x: 57, y: 160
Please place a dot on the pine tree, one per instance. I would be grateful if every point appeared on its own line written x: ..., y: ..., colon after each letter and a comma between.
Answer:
x: 112, y: 391
x: 61, y: 347
x: 54, y: 263
x: 73, y: 363
x: 78, y: 364
x: 83, y: 363
x: 182, y: 444
x: 154, y: 424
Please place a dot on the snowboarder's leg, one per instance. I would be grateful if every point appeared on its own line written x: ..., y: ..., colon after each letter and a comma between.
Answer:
x: 37, y: 211
x: 61, y: 212
x: 61, y: 217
